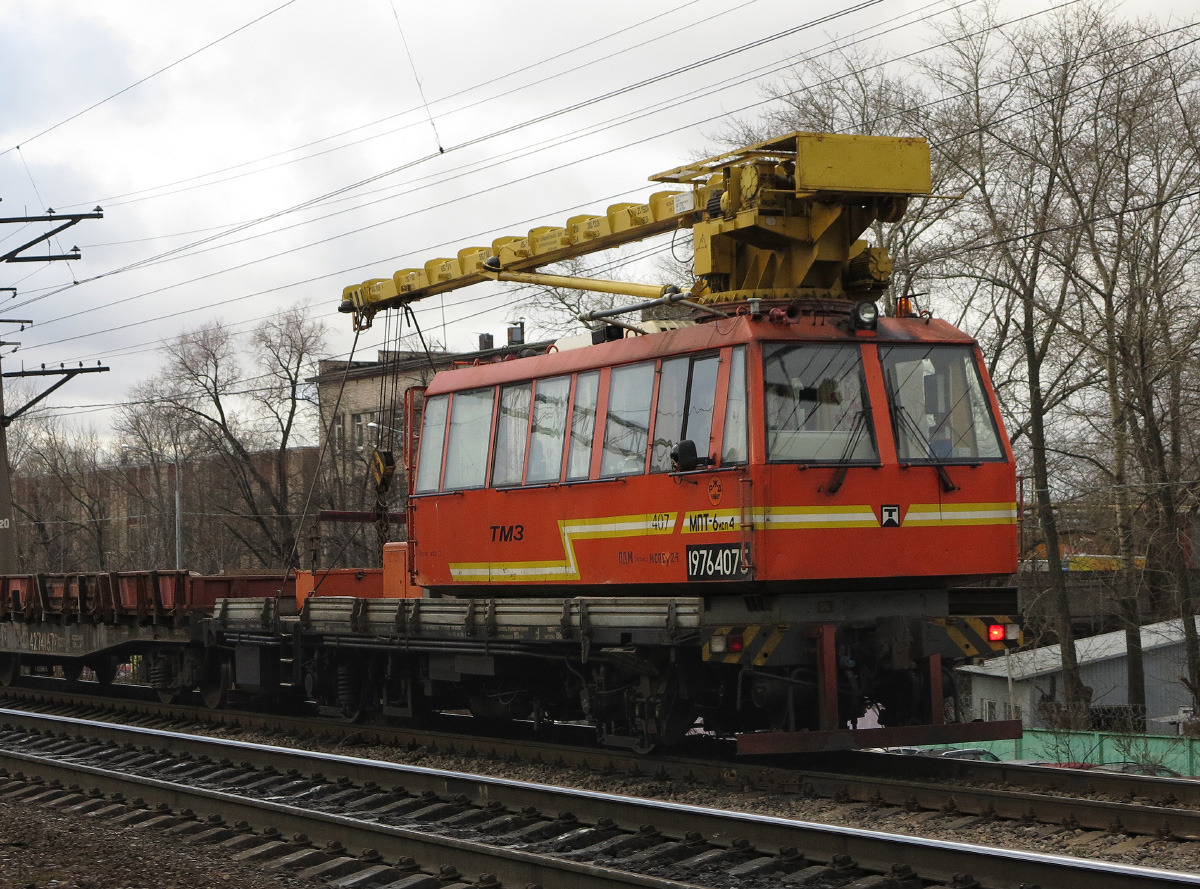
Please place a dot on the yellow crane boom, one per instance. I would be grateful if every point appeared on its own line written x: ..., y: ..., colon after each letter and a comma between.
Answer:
x: 776, y: 221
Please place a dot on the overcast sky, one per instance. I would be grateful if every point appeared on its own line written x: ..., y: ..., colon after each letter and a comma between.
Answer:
x: 254, y: 155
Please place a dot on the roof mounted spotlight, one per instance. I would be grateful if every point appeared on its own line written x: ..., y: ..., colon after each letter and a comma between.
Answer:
x: 866, y: 315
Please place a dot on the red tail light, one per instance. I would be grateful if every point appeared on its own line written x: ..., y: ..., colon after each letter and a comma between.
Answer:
x: 736, y: 643
x: 996, y: 632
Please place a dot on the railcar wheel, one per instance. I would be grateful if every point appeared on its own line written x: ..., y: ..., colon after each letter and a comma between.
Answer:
x: 10, y: 669
x: 169, y: 695
x: 215, y: 682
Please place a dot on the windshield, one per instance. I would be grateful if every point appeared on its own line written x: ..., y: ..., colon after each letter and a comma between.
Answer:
x: 939, y: 411
x: 816, y: 404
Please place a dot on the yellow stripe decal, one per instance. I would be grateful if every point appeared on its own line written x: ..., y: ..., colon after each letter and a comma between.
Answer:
x: 608, y: 527
x: 961, y: 514
x: 779, y: 518
x: 788, y: 518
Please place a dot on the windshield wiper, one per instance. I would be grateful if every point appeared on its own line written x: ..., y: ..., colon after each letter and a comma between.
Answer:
x: 843, y: 466
x: 902, y: 421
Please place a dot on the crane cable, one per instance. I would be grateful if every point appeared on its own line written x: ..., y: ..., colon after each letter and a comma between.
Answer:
x: 304, y: 513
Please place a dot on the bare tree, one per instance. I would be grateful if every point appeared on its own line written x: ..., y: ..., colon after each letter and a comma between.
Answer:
x: 239, y: 422
x: 64, y: 495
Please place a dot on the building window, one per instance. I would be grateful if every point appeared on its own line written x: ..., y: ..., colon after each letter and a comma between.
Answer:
x: 337, y: 433
x: 989, y: 711
x: 359, y: 423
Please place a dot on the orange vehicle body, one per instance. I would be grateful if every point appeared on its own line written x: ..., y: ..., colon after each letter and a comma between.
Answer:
x: 780, y: 525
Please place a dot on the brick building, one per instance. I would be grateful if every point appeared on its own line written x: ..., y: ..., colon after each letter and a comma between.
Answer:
x: 362, y: 408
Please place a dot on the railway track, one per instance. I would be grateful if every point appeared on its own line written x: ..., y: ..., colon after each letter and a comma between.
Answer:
x: 305, y: 811
x: 1092, y: 801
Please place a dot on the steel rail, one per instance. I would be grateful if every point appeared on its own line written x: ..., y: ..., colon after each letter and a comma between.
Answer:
x: 511, y: 866
x: 933, y: 860
x: 1025, y: 793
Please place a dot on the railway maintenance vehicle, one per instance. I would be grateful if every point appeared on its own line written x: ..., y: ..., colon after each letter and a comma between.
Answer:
x: 750, y: 505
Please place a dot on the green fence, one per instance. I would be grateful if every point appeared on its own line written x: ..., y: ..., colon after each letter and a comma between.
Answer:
x: 1172, y: 751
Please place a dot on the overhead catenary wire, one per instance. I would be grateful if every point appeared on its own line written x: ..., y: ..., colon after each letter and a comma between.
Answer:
x: 151, y: 260
x: 495, y: 134
x: 359, y: 230
x: 119, y: 199
x: 503, y: 295
x: 416, y: 78
x: 147, y: 78
x: 159, y: 319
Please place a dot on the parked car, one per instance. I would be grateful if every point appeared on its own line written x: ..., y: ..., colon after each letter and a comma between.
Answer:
x: 904, y: 751
x: 976, y: 754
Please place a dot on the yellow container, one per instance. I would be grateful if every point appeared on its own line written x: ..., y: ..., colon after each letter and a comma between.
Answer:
x: 439, y: 270
x: 378, y: 288
x: 662, y: 204
x: 623, y: 217
x: 871, y: 164
x: 408, y: 280
x: 470, y: 259
x: 548, y: 238
x: 515, y: 249
x: 586, y: 228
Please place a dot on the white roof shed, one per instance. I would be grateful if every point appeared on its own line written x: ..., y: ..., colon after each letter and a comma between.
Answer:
x: 1036, y: 675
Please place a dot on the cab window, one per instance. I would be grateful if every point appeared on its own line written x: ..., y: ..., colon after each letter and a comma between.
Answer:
x: 627, y: 424
x: 734, y: 447
x: 512, y: 431
x: 548, y: 431
x: 433, y: 434
x: 687, y: 392
x: 816, y: 404
x: 469, y: 438
x: 583, y: 425
x: 939, y: 409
